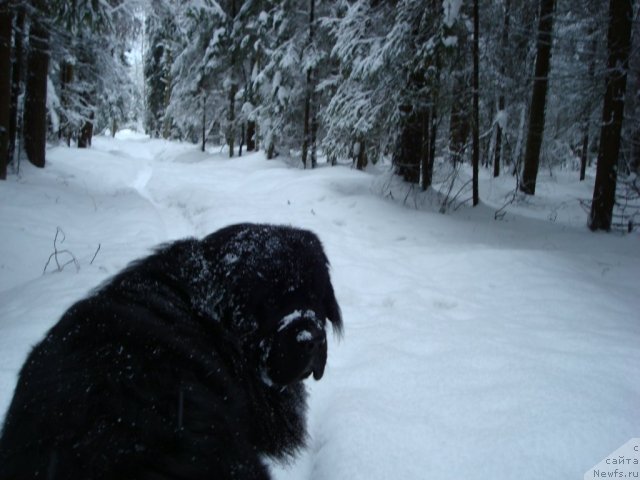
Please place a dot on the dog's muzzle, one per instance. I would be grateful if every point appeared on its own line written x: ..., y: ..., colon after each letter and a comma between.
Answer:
x: 296, y: 350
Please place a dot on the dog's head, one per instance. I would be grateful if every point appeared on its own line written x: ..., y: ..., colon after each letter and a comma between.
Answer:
x: 275, y: 297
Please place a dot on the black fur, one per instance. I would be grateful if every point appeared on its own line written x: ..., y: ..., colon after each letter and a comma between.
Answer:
x: 186, y: 365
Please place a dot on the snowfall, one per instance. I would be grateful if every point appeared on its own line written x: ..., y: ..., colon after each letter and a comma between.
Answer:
x: 474, y: 348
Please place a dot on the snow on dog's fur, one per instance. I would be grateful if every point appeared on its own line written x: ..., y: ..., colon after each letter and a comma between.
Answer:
x: 187, y: 364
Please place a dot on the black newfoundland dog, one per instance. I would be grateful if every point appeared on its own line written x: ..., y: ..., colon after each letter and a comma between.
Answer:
x: 186, y: 365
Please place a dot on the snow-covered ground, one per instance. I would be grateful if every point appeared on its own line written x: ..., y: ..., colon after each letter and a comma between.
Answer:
x: 473, y: 348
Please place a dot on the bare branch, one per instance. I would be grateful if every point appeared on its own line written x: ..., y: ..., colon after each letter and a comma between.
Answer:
x: 95, y: 254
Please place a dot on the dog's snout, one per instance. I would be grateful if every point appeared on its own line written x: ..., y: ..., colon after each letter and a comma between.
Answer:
x: 298, y: 349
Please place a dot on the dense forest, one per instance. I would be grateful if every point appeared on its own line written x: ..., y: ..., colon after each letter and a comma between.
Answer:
x: 512, y: 86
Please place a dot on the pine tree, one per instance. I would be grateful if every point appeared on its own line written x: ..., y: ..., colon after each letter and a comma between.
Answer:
x: 504, y: 41
x: 161, y: 32
x: 281, y: 82
x: 193, y: 98
x: 206, y: 70
x: 421, y: 47
x: 72, y: 69
x: 461, y: 95
x: 586, y: 122
x: 361, y: 89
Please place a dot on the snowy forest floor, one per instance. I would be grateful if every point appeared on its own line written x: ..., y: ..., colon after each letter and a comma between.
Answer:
x: 473, y: 348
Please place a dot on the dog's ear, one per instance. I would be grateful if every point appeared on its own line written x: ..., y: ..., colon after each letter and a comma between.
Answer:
x: 332, y: 310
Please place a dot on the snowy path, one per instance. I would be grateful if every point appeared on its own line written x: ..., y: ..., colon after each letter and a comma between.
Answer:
x: 473, y: 348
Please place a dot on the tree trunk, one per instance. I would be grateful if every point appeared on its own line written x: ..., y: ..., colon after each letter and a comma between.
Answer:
x: 256, y: 137
x: 35, y: 102
x: 460, y: 115
x: 232, y: 118
x: 618, y: 45
x: 584, y: 154
x: 518, y: 150
x: 538, y: 98
x: 16, y: 80
x: 271, y: 150
x: 166, y: 120
x: 426, y: 167
x: 497, y: 154
x: 307, y: 131
x: 204, y: 121
x: 361, y: 158
x: 433, y: 133
x: 5, y: 86
x: 251, y: 136
x: 476, y: 108
x: 459, y: 120
x: 488, y: 143
x: 431, y: 126
x: 66, y: 77
x: 406, y: 157
x: 635, y: 154
x: 86, y: 133
x: 314, y: 134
